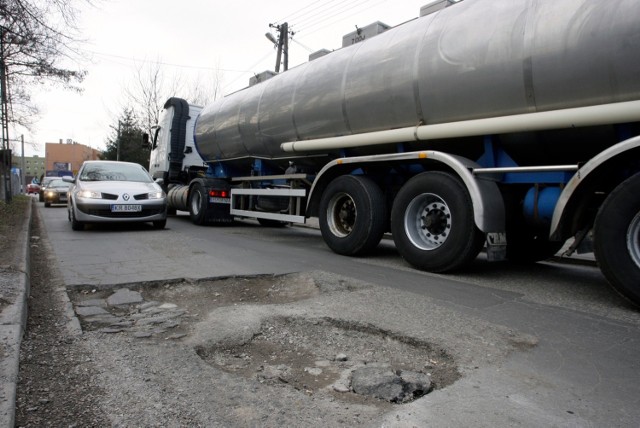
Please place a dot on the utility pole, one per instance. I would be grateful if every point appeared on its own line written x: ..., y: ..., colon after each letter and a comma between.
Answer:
x: 24, y: 185
x: 5, y: 162
x: 118, y: 143
x: 282, y: 44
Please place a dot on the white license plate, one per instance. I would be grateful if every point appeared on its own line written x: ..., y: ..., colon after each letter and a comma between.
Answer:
x: 125, y: 208
x: 213, y: 200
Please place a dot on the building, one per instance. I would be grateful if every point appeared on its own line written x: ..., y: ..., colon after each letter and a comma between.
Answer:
x: 34, y: 166
x: 67, y: 156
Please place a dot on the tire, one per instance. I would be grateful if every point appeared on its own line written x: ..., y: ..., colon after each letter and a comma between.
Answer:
x: 432, y: 223
x: 273, y: 204
x: 172, y: 211
x: 616, y: 237
x: 353, y: 215
x: 75, y: 224
x: 159, y: 224
x: 198, y: 204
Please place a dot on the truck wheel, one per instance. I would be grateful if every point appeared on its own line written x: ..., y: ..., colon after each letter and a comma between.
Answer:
x: 617, y: 238
x: 198, y: 203
x: 432, y: 223
x: 352, y: 215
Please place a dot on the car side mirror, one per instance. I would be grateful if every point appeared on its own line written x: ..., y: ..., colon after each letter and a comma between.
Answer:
x: 68, y: 179
x: 160, y: 181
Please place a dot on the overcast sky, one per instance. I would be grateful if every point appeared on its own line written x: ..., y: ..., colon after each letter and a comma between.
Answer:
x: 191, y: 38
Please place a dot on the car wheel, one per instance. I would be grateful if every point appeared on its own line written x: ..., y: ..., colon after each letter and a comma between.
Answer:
x: 75, y: 224
x: 159, y: 224
x: 47, y: 204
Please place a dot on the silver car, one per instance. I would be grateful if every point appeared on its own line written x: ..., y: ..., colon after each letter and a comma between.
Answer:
x: 110, y: 191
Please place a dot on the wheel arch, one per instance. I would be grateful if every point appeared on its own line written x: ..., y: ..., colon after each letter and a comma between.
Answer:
x: 602, y: 173
x: 488, y: 205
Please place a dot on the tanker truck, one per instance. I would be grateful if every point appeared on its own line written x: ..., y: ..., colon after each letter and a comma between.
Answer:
x: 509, y: 125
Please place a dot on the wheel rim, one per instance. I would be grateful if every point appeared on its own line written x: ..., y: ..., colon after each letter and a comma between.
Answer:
x: 427, y: 221
x: 195, y: 203
x: 633, y: 239
x: 341, y: 214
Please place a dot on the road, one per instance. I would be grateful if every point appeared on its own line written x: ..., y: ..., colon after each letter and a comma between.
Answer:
x: 575, y: 363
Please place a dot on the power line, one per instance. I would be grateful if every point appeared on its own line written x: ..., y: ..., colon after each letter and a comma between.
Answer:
x: 293, y: 16
x: 168, y: 64
x: 307, y: 33
x: 328, y: 20
x: 328, y: 13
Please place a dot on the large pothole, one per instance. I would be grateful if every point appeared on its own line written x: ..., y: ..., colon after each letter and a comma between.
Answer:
x: 324, y: 356
x: 328, y: 356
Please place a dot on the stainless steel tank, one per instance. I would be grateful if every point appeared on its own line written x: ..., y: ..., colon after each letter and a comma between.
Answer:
x: 475, y: 59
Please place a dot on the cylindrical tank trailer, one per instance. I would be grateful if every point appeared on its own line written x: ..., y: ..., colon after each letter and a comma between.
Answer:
x: 476, y: 59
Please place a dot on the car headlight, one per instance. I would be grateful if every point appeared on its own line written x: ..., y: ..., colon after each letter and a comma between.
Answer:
x: 89, y: 194
x: 49, y: 193
x: 156, y: 195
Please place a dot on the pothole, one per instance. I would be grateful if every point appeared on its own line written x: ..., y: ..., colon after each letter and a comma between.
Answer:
x: 350, y: 361
x: 328, y: 357
x: 165, y: 310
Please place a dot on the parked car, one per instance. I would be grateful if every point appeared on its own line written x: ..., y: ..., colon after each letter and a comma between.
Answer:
x: 110, y: 191
x: 33, y: 188
x: 56, y: 192
x: 43, y: 185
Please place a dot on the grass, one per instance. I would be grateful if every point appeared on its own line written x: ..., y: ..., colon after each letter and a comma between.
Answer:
x: 11, y: 218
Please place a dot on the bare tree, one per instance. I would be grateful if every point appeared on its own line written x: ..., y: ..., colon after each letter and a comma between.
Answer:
x: 152, y: 85
x: 205, y: 88
x: 38, y: 41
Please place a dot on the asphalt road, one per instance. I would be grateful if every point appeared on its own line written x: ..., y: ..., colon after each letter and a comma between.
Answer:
x: 584, y: 370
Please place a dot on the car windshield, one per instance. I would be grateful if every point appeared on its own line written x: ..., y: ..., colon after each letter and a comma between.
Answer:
x: 114, y: 172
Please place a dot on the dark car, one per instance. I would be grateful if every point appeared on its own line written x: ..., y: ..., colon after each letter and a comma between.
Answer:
x: 56, y: 192
x: 43, y: 185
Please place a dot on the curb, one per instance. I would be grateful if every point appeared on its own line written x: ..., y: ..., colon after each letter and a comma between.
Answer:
x: 13, y: 322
